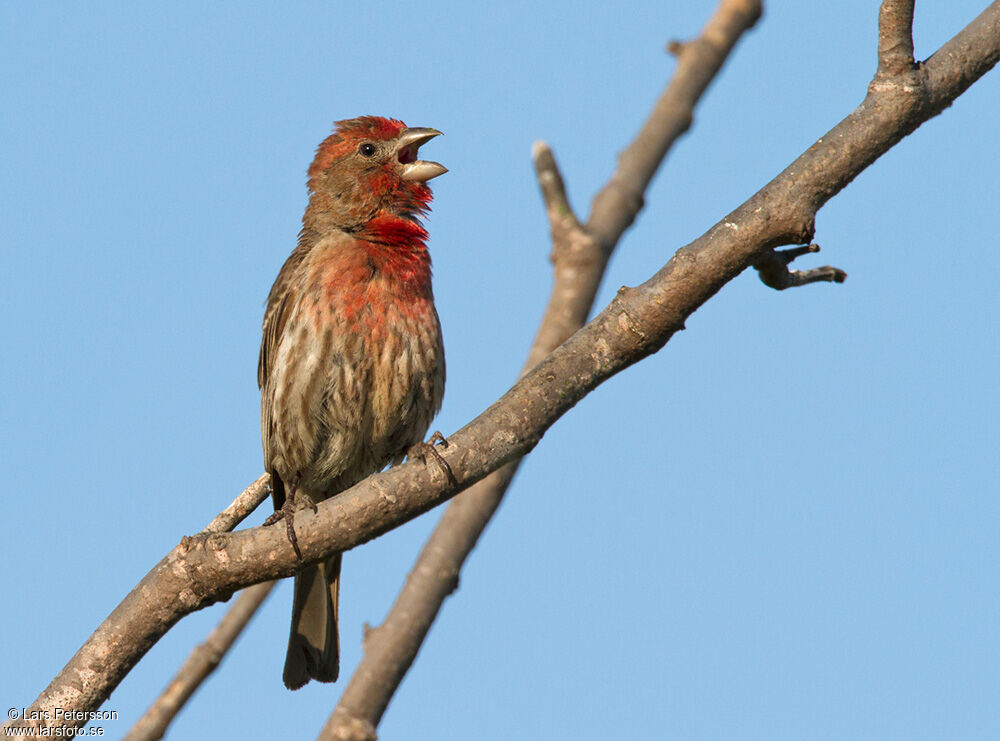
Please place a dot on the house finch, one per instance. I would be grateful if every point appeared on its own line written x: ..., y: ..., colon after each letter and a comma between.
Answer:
x: 351, y: 364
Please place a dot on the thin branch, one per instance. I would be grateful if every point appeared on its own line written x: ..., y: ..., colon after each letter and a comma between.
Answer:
x: 202, y: 661
x: 772, y: 267
x: 242, y: 506
x: 204, y: 658
x: 579, y: 264
x: 574, y: 252
x: 895, y: 38
x: 638, y: 322
x: 616, y: 205
x: 550, y: 182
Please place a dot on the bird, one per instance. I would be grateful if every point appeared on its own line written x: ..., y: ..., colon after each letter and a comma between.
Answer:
x: 351, y: 367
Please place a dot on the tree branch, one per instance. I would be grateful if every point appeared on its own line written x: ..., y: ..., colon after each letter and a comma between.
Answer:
x: 242, y: 506
x: 206, y: 657
x: 202, y: 661
x: 579, y: 264
x: 772, y: 267
x: 639, y: 321
x: 616, y: 205
x: 895, y: 38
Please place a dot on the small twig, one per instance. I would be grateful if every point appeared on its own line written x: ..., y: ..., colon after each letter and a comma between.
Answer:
x: 202, y: 661
x: 772, y: 267
x: 550, y: 181
x: 241, y: 507
x: 675, y: 47
x: 572, y: 246
x: 895, y: 38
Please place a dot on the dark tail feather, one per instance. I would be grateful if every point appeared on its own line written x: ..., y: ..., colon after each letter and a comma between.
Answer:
x: 314, y: 646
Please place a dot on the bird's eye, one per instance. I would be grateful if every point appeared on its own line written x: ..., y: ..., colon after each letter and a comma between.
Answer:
x: 367, y: 149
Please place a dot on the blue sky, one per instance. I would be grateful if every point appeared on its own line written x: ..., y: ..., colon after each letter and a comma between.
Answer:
x: 781, y: 526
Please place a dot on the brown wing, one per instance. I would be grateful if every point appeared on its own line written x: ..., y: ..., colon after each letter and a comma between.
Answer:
x: 276, y: 313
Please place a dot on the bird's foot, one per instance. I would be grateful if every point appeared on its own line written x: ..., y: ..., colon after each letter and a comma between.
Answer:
x: 287, y: 513
x: 304, y: 500
x: 426, y: 450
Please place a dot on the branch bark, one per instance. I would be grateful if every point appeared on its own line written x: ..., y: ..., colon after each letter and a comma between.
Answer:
x: 206, y: 657
x: 202, y: 661
x: 248, y: 500
x: 895, y: 38
x: 579, y: 261
x: 639, y: 321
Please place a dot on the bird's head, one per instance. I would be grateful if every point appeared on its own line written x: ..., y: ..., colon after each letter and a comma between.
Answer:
x: 368, y: 167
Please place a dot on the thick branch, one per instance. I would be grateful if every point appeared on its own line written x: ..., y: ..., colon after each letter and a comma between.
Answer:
x: 639, y: 321
x: 579, y: 265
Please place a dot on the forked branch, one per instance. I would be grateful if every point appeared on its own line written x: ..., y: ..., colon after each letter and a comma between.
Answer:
x: 579, y: 262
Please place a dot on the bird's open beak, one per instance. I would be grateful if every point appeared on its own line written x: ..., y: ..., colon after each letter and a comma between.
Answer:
x: 406, y: 151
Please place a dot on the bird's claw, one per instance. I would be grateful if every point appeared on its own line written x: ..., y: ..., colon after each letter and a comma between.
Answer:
x: 423, y: 450
x: 307, y: 501
x: 287, y: 513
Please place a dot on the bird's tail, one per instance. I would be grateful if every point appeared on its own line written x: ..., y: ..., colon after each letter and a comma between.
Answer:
x: 314, y: 646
